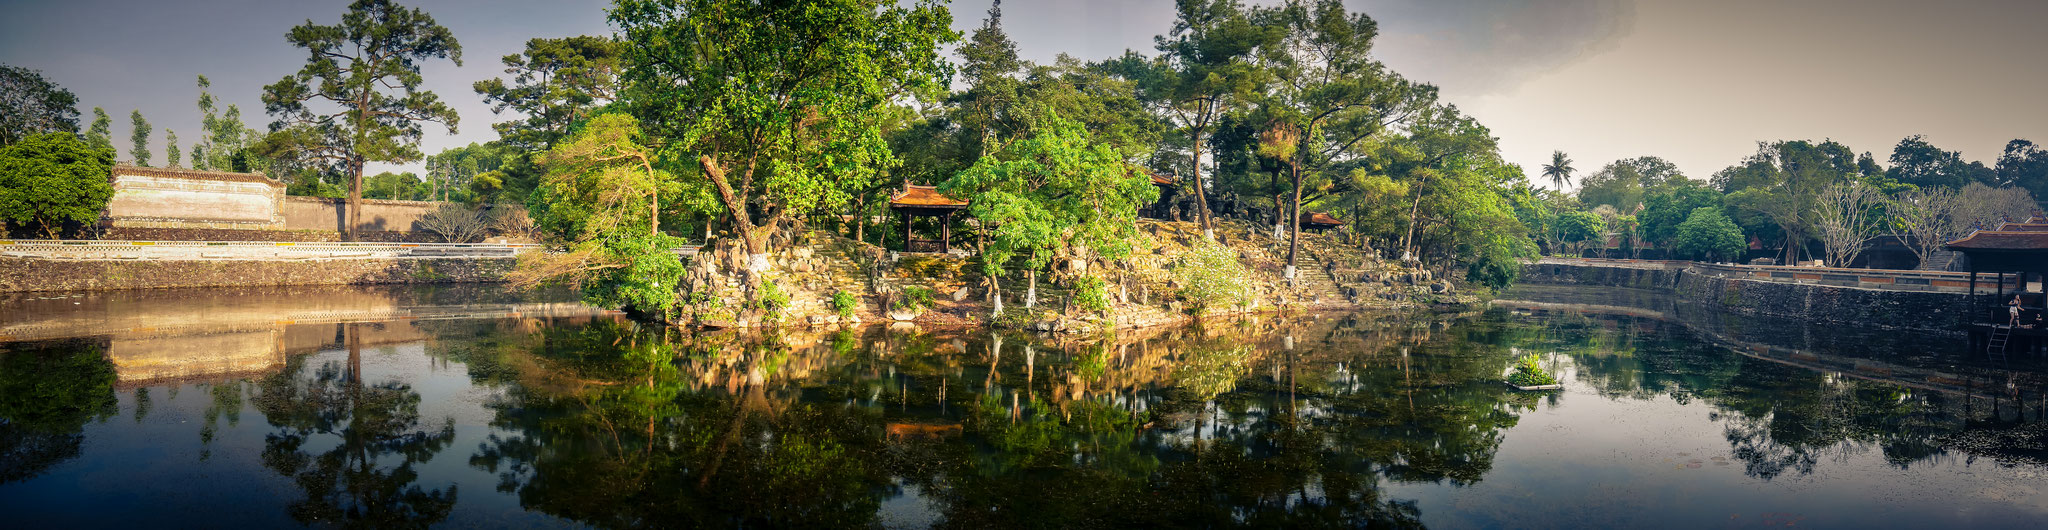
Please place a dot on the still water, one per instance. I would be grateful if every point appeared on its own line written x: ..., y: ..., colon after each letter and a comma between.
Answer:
x: 475, y: 407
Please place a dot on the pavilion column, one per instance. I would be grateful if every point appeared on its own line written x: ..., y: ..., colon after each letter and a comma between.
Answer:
x: 946, y: 232
x: 906, y: 230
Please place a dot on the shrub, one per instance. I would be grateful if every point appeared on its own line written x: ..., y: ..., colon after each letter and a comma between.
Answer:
x: 915, y: 298
x: 772, y: 298
x: 456, y: 223
x: 1529, y: 373
x: 844, y: 303
x: 50, y: 180
x: 1092, y: 294
x: 1210, y: 277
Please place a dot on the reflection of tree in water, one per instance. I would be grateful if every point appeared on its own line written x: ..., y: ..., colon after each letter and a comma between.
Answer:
x: 369, y: 425
x: 48, y: 391
x: 1777, y: 419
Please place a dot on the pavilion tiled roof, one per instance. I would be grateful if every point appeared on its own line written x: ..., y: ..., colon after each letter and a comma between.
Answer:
x: 1320, y: 218
x: 192, y: 174
x: 1996, y: 240
x: 914, y: 196
x: 2037, y: 225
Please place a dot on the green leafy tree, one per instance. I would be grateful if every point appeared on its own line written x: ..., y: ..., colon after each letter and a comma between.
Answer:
x: 1664, y: 208
x: 225, y: 143
x: 1707, y: 234
x: 601, y: 202
x: 31, y: 105
x: 1204, y: 71
x: 555, y: 82
x: 1559, y: 170
x: 171, y: 153
x: 1055, y: 193
x: 1580, y: 229
x: 2024, y: 165
x: 49, y: 180
x: 138, y: 138
x: 1916, y: 162
x: 357, y: 99
x: 405, y: 186
x: 779, y: 102
x: 1623, y: 183
x: 101, y: 133
x: 1778, y: 186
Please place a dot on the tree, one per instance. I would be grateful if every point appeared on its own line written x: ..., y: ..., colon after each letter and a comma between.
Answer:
x: 603, y: 184
x: 1623, y: 183
x: 138, y: 138
x: 1664, y: 208
x: 779, y: 102
x: 51, y: 179
x: 1780, y: 183
x: 1580, y: 229
x: 2024, y: 165
x: 1055, y: 193
x: 101, y: 133
x: 1916, y: 162
x: 451, y: 170
x: 1981, y: 207
x: 1924, y: 219
x: 31, y: 105
x: 1707, y: 234
x: 366, y: 70
x: 1205, y: 71
x: 171, y: 148
x: 225, y: 140
x: 555, y: 83
x: 1559, y: 170
x: 1846, y: 218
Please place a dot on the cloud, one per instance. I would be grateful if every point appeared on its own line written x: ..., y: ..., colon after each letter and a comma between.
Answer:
x: 1481, y: 47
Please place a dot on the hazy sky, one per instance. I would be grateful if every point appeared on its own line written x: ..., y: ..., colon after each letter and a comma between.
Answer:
x: 1696, y: 82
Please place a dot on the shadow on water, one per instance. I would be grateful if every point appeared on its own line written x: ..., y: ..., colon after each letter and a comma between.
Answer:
x: 1335, y: 420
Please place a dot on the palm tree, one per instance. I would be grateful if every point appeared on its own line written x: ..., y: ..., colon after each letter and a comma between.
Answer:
x: 1559, y: 170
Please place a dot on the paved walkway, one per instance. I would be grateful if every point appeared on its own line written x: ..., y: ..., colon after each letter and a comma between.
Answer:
x: 250, y: 250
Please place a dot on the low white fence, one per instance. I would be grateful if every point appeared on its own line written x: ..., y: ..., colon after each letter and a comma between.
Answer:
x: 249, y: 250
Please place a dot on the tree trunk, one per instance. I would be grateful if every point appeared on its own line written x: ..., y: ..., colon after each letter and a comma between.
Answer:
x: 1294, y: 226
x: 1031, y: 294
x: 355, y: 199
x: 1201, y: 193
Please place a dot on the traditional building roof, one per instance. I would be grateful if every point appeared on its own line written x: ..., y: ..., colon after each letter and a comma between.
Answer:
x: 2035, y: 225
x: 192, y: 174
x: 1320, y: 218
x: 914, y: 196
x: 2001, y: 240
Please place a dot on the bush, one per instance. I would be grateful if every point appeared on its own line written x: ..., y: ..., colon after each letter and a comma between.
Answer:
x: 914, y: 298
x: 844, y: 303
x: 50, y: 180
x: 772, y: 298
x: 1210, y: 277
x: 456, y: 223
x: 1707, y: 234
x: 1092, y: 294
x: 1529, y: 373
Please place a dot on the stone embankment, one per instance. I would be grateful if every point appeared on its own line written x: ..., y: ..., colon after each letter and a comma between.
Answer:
x: 1867, y: 298
x: 1141, y: 288
x: 31, y: 274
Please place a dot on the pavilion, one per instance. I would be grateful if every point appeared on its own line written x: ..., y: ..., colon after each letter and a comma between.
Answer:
x: 926, y: 201
x: 1319, y: 221
x: 2016, y: 248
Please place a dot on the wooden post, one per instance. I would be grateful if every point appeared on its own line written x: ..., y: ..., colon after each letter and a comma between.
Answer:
x: 906, y: 229
x: 946, y: 232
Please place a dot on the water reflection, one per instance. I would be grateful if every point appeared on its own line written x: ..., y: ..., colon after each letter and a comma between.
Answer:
x: 1333, y: 420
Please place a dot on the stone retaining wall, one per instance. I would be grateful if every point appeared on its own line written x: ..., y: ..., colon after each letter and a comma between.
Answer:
x: 1838, y: 301
x: 19, y: 275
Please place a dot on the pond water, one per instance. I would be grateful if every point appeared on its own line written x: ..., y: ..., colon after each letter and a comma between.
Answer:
x: 475, y: 407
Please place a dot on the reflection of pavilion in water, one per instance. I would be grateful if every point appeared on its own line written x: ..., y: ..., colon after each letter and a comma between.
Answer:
x: 2018, y: 391
x: 166, y: 335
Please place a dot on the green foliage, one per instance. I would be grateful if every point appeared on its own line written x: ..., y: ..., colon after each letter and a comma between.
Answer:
x: 1055, y: 190
x: 779, y: 102
x: 2024, y: 164
x: 225, y: 141
x: 397, y: 186
x: 1494, y: 271
x: 1092, y: 294
x: 1580, y: 228
x: 101, y: 134
x: 49, y: 180
x: 452, y: 172
x: 1916, y: 162
x: 1707, y: 234
x: 1623, y: 183
x: 771, y: 298
x: 1211, y: 277
x: 1529, y: 372
x: 31, y: 105
x: 357, y: 99
x: 598, y: 201
x: 1664, y: 208
x: 642, y: 272
x: 138, y: 138
x: 555, y: 83
x: 844, y: 303
x: 915, y: 298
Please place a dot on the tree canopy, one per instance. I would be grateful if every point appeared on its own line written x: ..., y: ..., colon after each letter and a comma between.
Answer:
x: 31, y: 105
x: 53, y: 179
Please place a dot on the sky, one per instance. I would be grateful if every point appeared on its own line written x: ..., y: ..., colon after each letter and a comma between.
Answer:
x: 1698, y: 82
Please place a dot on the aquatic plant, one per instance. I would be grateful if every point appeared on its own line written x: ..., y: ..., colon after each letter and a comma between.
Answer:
x: 1529, y: 373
